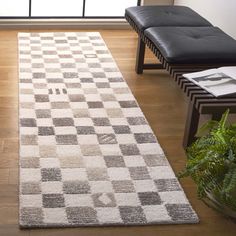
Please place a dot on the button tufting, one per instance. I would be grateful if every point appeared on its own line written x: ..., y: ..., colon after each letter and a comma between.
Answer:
x: 196, y: 36
x: 169, y: 13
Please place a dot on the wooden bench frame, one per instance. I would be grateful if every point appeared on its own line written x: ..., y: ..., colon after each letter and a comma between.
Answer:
x: 200, y: 101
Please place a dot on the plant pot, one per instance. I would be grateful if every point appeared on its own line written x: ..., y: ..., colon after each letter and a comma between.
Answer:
x: 213, y: 202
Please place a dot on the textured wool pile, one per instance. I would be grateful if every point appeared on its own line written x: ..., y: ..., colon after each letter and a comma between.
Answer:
x: 87, y: 154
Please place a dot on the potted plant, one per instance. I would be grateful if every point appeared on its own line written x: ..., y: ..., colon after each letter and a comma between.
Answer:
x: 211, y: 163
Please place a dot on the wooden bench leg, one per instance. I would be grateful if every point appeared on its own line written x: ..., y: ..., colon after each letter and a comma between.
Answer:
x: 191, y: 125
x: 216, y: 116
x: 140, y: 56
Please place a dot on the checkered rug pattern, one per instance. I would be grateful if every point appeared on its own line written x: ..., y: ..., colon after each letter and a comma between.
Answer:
x: 87, y: 154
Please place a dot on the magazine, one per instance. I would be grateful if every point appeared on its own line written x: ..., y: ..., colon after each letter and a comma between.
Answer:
x: 218, y: 82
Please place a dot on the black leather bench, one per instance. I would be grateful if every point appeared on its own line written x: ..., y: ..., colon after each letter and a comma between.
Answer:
x: 193, y: 45
x: 181, y: 49
x: 144, y: 17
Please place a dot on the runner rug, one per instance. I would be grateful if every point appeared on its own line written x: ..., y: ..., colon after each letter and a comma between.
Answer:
x: 87, y: 154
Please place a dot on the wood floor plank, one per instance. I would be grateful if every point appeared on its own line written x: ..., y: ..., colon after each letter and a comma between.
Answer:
x: 4, y: 176
x: 163, y: 104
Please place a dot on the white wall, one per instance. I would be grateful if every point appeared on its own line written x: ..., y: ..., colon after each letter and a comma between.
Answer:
x: 221, y: 13
x: 158, y: 2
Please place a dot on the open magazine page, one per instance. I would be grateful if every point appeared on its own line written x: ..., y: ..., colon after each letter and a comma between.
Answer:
x: 219, y: 82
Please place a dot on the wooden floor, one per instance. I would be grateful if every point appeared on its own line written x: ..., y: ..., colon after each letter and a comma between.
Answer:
x: 162, y: 102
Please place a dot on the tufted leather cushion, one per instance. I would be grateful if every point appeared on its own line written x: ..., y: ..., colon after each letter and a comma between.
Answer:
x: 155, y: 16
x: 190, y: 45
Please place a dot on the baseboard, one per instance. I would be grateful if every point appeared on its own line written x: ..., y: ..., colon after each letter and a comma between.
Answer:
x: 63, y: 24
